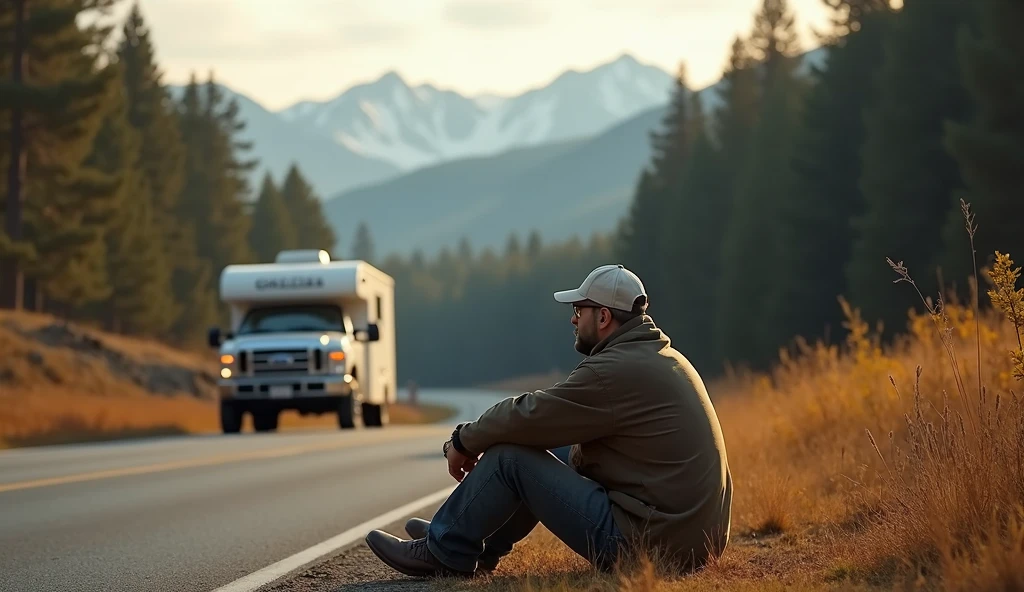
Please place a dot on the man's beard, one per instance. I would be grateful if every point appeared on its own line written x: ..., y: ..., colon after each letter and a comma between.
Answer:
x: 583, y: 344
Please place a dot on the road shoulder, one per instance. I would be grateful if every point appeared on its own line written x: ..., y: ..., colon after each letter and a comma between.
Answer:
x: 355, y: 567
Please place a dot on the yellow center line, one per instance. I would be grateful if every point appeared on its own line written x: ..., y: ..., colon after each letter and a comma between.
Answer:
x: 195, y: 462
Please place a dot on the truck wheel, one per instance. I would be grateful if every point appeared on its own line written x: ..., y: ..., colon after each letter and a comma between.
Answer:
x: 346, y: 412
x: 375, y: 416
x: 230, y: 417
x: 265, y: 421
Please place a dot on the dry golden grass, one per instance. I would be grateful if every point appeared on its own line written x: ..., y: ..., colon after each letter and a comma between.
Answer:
x: 52, y: 392
x: 860, y: 466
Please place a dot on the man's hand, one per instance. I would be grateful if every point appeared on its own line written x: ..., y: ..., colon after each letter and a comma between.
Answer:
x: 459, y: 465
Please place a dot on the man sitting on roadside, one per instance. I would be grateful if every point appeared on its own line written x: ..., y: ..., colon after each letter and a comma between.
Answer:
x: 647, y: 465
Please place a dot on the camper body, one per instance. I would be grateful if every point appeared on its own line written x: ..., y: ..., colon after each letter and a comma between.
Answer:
x: 308, y: 334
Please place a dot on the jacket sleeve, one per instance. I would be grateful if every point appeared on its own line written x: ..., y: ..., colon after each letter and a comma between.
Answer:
x: 570, y: 412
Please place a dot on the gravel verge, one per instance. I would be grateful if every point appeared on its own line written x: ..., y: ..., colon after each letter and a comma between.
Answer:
x: 356, y: 568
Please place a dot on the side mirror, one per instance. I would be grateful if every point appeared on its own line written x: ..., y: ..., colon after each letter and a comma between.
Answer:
x: 213, y: 337
x: 372, y: 333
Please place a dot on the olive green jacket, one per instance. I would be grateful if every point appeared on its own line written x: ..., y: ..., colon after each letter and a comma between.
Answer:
x: 641, y: 424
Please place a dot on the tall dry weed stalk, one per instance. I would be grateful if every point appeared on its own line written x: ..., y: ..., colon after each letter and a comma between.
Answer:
x: 954, y: 487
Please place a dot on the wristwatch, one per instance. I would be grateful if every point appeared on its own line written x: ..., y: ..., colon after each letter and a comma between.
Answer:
x: 454, y: 442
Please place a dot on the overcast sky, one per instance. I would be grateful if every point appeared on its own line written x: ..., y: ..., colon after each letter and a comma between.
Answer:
x: 283, y: 51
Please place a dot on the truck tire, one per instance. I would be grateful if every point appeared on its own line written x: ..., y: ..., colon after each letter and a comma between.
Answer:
x: 375, y: 416
x: 265, y: 420
x: 346, y: 412
x: 230, y: 417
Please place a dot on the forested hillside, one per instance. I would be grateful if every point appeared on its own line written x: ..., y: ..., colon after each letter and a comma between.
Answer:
x: 752, y: 220
x: 749, y: 222
x: 122, y: 204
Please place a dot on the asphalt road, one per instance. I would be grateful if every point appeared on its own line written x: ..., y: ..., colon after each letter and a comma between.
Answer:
x: 198, y: 512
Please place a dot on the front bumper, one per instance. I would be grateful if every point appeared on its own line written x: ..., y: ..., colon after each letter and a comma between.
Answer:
x: 284, y: 387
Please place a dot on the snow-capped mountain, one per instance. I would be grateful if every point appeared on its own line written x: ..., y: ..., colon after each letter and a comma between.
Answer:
x: 278, y: 144
x: 411, y: 127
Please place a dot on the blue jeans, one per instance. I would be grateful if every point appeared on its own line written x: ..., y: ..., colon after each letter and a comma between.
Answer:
x: 503, y: 498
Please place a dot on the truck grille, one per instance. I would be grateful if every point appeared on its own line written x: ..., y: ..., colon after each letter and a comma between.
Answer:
x: 288, y: 361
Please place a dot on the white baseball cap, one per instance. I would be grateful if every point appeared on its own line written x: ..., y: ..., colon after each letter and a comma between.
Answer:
x: 612, y: 286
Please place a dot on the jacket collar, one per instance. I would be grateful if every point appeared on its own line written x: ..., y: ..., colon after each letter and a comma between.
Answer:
x: 635, y: 328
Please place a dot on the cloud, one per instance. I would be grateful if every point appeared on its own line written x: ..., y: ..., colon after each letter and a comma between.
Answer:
x: 376, y: 33
x: 656, y: 9
x: 227, y: 32
x: 496, y: 14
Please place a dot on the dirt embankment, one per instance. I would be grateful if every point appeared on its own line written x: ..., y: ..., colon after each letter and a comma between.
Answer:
x: 46, y: 353
x: 62, y: 382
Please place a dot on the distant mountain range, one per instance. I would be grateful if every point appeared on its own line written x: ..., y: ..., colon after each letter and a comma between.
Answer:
x: 378, y: 130
x: 424, y: 167
x: 558, y: 188
x: 563, y: 188
x: 415, y: 127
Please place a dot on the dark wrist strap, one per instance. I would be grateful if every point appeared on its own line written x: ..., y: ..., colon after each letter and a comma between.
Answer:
x: 457, y: 443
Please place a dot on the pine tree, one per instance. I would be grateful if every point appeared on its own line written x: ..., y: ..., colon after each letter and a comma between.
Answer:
x: 142, y: 299
x: 362, y: 244
x: 515, y: 258
x: 465, y: 251
x: 230, y: 190
x: 214, y: 197
x: 774, y: 40
x: 160, y: 156
x: 638, y: 243
x: 513, y: 246
x: 641, y: 235
x: 908, y: 180
x: 815, y: 237
x: 307, y: 210
x: 54, y: 117
x: 194, y: 207
x: 272, y: 228
x: 736, y: 118
x: 989, y: 149
x: 671, y: 144
x: 534, y: 245
x: 746, y: 328
x: 140, y: 296
x: 15, y: 252
x: 849, y: 16
x: 194, y: 283
x: 700, y: 217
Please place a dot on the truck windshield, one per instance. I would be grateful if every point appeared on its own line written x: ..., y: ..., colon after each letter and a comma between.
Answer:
x: 292, y: 318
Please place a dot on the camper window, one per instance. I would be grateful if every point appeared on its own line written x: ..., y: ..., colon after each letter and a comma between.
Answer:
x: 281, y: 319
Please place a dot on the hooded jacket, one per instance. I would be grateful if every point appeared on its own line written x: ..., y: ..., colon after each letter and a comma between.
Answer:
x: 642, y: 425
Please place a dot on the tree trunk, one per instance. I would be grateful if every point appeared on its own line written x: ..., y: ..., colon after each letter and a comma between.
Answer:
x: 12, y: 278
x: 40, y: 303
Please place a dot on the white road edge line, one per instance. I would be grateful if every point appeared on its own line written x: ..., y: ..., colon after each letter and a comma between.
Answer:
x: 302, y: 558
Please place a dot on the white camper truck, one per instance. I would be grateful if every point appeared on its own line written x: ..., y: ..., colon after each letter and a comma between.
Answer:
x: 309, y: 334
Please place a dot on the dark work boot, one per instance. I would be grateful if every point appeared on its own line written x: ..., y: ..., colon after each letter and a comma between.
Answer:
x: 417, y: 529
x: 412, y: 558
